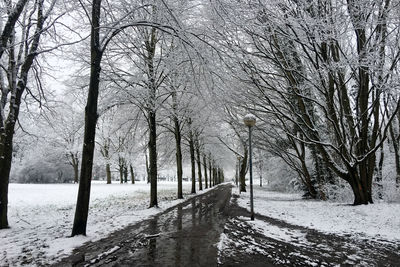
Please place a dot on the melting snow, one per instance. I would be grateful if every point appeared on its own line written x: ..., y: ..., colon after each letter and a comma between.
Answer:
x: 379, y: 221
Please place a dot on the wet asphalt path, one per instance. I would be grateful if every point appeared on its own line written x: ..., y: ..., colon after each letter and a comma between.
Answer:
x: 184, y: 235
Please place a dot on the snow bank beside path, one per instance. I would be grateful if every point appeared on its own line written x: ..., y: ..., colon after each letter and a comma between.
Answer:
x: 379, y: 221
x: 41, y: 216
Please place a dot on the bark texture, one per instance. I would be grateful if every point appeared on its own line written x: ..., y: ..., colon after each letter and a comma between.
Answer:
x: 82, y: 205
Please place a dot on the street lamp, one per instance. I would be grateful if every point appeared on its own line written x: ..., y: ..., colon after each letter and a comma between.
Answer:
x: 250, y: 121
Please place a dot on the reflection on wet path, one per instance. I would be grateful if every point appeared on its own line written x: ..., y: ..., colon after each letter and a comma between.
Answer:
x: 185, y: 235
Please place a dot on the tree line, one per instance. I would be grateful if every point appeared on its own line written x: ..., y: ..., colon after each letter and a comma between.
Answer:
x: 321, y: 77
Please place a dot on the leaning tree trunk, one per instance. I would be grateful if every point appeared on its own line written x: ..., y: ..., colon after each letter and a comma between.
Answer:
x: 9, y: 26
x: 242, y: 172
x: 82, y: 205
x: 395, y: 143
x: 147, y: 168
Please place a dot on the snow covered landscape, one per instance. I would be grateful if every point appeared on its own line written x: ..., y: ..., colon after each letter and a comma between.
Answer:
x: 380, y: 222
x: 194, y: 99
x: 41, y: 216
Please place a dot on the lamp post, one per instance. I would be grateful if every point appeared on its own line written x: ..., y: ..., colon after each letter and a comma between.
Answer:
x: 250, y: 121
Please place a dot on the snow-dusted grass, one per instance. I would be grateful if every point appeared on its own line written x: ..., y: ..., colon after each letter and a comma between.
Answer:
x: 41, y: 216
x: 379, y: 221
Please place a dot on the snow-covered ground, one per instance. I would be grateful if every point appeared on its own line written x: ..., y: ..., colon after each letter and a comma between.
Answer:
x: 380, y: 221
x: 41, y: 216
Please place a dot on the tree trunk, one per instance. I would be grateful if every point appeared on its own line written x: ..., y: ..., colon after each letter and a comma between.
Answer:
x: 150, y: 45
x: 199, y: 165
x: 153, y: 159
x: 75, y: 165
x: 76, y: 173
x: 178, y: 139
x: 7, y: 127
x: 121, y: 166
x: 192, y: 158
x: 82, y: 205
x: 379, y: 171
x: 132, y: 174
x: 359, y: 189
x: 306, y: 173
x: 108, y: 173
x: 6, y: 143
x: 210, y: 169
x: 237, y: 172
x: 205, y: 171
x: 242, y: 172
x: 214, y: 176
x: 395, y: 144
x: 125, y: 174
x: 147, y: 169
x: 9, y: 27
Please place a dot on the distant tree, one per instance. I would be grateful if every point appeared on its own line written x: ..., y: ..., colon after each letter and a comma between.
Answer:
x: 192, y: 155
x: 198, y: 159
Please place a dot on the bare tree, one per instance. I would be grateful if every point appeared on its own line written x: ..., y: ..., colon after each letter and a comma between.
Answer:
x: 21, y: 58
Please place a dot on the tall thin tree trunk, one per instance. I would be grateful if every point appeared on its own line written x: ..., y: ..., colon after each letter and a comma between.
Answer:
x: 199, y: 165
x: 395, y: 144
x: 121, y: 169
x: 178, y: 139
x: 82, y: 205
x: 147, y: 169
x: 150, y: 45
x: 237, y: 172
x: 214, y: 176
x: 153, y: 158
x: 210, y: 169
x: 192, y: 158
x: 205, y: 170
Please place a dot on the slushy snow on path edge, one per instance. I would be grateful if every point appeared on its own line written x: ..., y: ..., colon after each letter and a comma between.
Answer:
x: 379, y: 221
